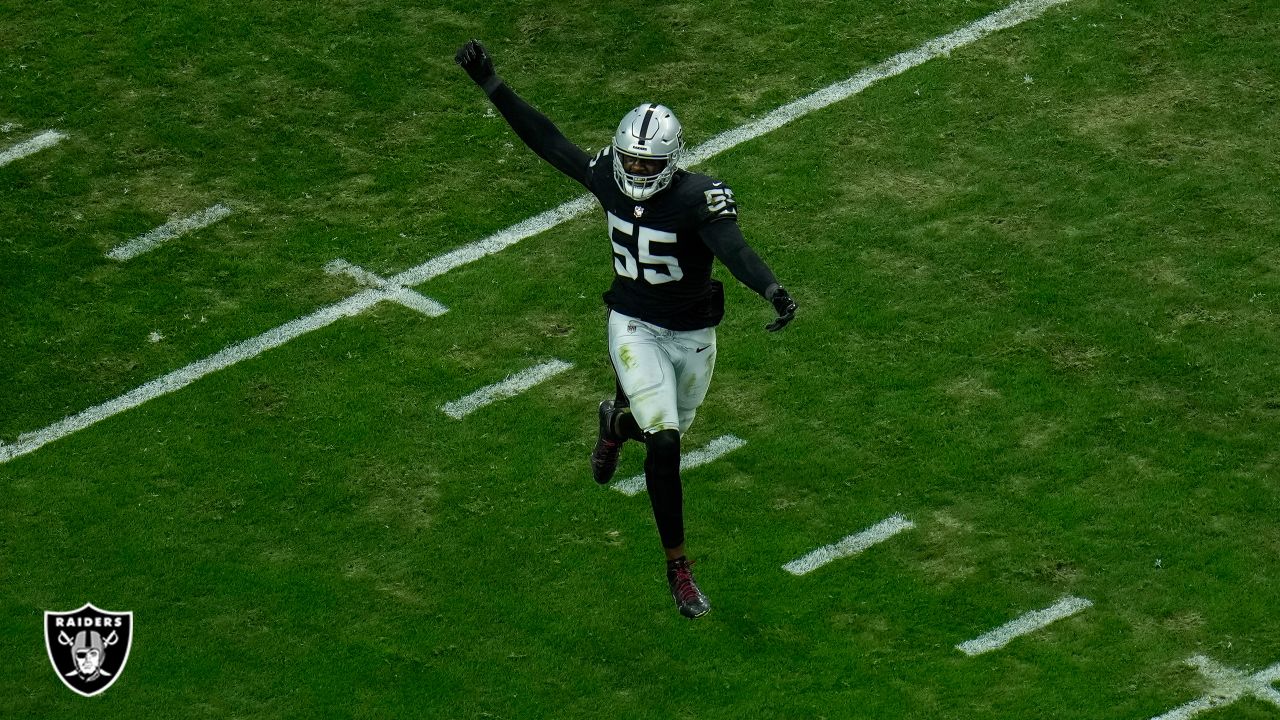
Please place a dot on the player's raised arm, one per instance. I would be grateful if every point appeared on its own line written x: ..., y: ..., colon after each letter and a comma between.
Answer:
x: 534, y: 128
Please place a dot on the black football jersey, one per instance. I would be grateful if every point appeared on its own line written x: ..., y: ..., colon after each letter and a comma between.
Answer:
x: 662, y: 247
x: 662, y: 267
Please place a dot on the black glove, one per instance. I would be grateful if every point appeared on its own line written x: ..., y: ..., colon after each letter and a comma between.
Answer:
x: 785, y: 307
x: 473, y: 58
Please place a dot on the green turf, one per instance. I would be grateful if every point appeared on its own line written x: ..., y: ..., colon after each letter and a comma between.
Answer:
x: 1038, y: 284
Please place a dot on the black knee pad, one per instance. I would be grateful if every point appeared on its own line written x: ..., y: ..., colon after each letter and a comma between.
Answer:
x: 664, y: 447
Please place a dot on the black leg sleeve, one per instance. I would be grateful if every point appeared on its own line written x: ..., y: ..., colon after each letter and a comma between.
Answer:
x: 662, y: 476
x: 625, y: 425
x: 619, y: 397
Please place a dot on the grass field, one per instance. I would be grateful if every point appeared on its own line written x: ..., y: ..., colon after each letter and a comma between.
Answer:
x: 1038, y: 284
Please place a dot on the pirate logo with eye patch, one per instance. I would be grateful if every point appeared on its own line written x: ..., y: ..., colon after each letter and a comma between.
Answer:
x: 88, y: 647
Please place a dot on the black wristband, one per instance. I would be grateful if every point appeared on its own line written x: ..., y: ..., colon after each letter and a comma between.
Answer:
x: 491, y: 84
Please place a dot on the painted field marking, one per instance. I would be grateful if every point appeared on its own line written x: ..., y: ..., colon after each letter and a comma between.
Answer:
x: 46, y: 139
x: 395, y: 293
x: 1015, y: 14
x: 178, y: 379
x: 176, y: 227
x: 1228, y: 686
x: 851, y: 545
x: 714, y: 450
x: 1032, y: 621
x: 510, y: 387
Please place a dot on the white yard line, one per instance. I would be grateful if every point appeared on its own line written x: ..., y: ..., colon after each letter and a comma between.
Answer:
x: 183, y: 377
x: 46, y: 139
x: 510, y: 387
x: 497, y: 242
x: 1228, y: 686
x: 168, y: 231
x: 395, y: 293
x: 1032, y: 621
x: 714, y: 450
x: 1014, y: 14
x: 851, y: 545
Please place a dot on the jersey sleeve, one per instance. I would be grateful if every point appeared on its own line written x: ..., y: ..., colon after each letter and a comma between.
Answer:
x: 541, y: 135
x: 716, y: 203
x: 720, y: 233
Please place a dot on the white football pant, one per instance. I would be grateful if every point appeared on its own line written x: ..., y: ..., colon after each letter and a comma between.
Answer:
x: 665, y: 373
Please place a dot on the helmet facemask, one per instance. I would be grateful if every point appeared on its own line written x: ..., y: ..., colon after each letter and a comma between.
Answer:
x: 649, y: 132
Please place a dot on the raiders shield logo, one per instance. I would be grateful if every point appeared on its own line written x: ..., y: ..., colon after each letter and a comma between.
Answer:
x: 88, y: 647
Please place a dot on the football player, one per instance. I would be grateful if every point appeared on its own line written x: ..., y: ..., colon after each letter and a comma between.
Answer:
x: 666, y: 227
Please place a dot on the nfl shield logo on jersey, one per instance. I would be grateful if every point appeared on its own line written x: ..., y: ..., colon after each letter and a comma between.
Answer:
x: 88, y: 647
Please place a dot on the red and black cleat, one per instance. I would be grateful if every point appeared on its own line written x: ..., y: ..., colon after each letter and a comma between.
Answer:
x: 689, y: 599
x: 604, y: 458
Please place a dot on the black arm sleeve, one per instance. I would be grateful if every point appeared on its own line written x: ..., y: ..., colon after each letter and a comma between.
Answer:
x: 726, y: 241
x: 540, y: 134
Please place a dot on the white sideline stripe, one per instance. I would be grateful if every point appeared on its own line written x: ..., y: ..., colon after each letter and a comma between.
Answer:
x: 1032, y: 621
x: 48, y: 138
x: 513, y: 385
x: 714, y: 450
x: 1228, y: 686
x: 851, y: 545
x: 168, y: 231
x: 1014, y: 14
